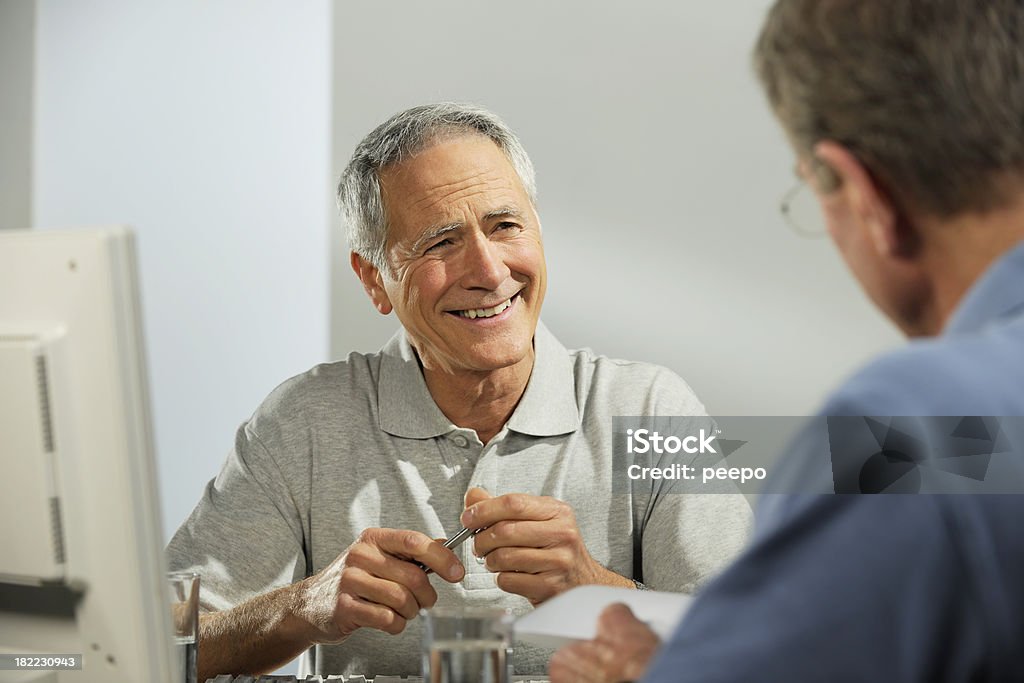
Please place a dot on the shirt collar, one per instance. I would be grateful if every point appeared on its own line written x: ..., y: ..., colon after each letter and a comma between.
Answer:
x: 998, y: 293
x: 547, y: 408
x: 406, y: 407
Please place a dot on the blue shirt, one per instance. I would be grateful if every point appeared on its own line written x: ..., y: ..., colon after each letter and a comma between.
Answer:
x: 888, y: 587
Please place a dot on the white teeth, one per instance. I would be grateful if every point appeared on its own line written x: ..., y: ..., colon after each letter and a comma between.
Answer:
x: 485, y: 312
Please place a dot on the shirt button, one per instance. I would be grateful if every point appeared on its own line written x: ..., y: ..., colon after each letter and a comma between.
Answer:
x: 460, y: 441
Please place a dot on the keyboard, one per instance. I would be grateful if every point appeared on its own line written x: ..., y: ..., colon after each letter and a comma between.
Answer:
x: 226, y: 678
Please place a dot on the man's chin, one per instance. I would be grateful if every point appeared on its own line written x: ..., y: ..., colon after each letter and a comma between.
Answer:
x: 476, y: 360
x: 493, y: 363
x: 483, y: 356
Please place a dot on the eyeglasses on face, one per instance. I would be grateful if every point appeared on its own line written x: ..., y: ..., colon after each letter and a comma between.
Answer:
x: 801, y: 211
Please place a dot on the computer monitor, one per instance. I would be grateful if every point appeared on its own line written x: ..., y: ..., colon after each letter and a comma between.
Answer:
x: 81, y: 559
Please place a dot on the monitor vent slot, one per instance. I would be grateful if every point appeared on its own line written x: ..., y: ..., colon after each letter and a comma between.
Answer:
x: 57, y: 530
x: 44, y: 403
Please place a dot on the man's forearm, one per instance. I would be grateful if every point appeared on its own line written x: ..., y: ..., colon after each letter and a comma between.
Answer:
x: 255, y: 637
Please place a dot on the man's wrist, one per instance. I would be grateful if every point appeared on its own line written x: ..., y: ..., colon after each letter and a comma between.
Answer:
x: 607, y: 577
x: 303, y: 616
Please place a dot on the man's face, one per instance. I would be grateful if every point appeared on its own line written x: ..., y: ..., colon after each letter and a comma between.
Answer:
x: 465, y: 248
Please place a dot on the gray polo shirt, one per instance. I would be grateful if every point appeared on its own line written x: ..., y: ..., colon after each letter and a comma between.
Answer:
x: 360, y: 443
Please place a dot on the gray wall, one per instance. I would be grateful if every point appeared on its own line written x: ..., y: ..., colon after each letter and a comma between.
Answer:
x: 17, y: 62
x: 206, y: 126
x: 660, y: 170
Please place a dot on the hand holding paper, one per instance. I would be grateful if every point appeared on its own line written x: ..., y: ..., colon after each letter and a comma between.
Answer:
x: 621, y: 651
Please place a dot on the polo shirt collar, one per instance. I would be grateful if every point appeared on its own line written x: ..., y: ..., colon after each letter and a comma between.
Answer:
x: 406, y: 408
x: 548, y: 406
x: 998, y: 293
x: 405, y: 405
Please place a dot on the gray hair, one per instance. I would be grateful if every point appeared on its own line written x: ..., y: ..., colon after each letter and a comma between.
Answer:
x: 928, y: 94
x: 405, y: 134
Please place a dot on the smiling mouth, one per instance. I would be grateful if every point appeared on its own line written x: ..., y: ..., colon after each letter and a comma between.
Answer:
x: 474, y: 313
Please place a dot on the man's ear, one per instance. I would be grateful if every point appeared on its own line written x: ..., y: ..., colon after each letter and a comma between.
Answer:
x: 372, y: 281
x: 861, y: 196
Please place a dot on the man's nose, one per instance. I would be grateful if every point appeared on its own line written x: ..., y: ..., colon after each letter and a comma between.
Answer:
x: 484, y: 264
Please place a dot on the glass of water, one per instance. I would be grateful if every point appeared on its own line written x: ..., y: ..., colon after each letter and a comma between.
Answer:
x: 183, y: 589
x: 467, y: 645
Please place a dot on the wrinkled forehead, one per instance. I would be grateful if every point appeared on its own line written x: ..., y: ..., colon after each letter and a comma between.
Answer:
x: 442, y: 180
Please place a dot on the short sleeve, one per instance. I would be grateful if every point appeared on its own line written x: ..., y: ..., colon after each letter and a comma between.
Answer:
x: 688, y: 536
x: 244, y: 537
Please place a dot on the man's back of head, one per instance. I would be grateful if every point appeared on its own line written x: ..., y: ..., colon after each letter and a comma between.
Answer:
x: 929, y: 95
x: 907, y: 118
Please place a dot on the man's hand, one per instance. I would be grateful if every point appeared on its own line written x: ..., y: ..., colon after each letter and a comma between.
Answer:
x: 374, y: 583
x: 622, y: 650
x: 534, y: 545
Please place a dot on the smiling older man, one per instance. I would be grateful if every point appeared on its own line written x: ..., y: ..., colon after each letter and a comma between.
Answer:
x: 472, y: 414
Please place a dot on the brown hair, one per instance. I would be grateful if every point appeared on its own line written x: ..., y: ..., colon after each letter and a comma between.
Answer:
x: 928, y: 94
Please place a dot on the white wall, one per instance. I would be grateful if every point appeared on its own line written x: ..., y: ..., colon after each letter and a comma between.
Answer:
x: 659, y: 170
x: 205, y: 125
x: 17, y: 60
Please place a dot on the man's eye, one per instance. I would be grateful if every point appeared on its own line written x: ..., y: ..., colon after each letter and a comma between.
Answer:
x: 506, y: 225
x: 438, y: 245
